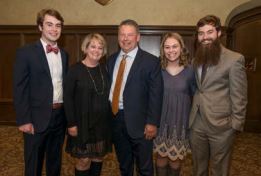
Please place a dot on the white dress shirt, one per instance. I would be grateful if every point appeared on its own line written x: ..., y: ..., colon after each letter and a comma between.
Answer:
x: 129, y: 61
x: 56, y: 71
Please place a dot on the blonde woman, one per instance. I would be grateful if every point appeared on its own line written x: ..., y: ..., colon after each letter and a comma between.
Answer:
x: 171, y: 143
x: 87, y: 108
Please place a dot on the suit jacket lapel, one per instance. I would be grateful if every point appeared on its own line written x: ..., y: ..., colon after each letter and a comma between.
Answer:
x: 41, y: 53
x: 208, y: 73
x: 136, y: 64
x: 64, y: 61
x: 111, y: 64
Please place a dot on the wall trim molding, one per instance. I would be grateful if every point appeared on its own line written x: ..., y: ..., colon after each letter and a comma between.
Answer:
x: 109, y: 29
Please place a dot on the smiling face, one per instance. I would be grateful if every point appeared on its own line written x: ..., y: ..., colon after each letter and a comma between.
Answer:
x: 128, y: 38
x: 94, y: 51
x: 51, y: 29
x: 172, y: 49
x: 208, y: 47
x: 207, y: 34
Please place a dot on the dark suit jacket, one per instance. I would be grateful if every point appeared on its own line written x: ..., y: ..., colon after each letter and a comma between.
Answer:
x: 32, y: 85
x: 142, y: 96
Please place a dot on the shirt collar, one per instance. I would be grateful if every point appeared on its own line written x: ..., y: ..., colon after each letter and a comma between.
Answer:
x: 45, y: 44
x: 131, y: 54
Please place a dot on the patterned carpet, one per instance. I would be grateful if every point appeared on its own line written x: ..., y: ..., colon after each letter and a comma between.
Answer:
x: 246, y: 158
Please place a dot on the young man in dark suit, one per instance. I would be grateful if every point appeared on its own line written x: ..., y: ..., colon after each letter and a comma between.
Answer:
x: 39, y: 72
x: 136, y: 99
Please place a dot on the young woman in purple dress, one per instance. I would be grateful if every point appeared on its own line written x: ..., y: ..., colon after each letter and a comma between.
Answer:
x: 171, y: 144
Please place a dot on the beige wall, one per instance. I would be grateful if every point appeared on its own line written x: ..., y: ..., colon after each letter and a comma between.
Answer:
x: 145, y: 12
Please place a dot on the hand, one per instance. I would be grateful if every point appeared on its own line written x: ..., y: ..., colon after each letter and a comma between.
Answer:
x: 27, y: 128
x: 73, y: 131
x: 150, y: 131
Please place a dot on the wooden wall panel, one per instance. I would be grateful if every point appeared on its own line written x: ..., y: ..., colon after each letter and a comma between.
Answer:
x: 71, y: 41
x: 7, y: 113
x: 112, y: 42
x: 8, y: 45
x: 29, y: 38
x: 239, y: 38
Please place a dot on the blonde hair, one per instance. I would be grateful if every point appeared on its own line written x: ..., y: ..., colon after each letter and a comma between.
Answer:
x: 94, y: 36
x: 184, y: 55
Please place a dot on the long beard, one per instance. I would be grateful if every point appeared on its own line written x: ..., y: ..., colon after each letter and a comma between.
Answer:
x: 207, y: 54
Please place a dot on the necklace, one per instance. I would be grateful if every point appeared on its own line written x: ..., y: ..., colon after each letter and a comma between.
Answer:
x: 95, y: 87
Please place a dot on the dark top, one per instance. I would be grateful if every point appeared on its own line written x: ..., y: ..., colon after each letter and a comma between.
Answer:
x: 86, y: 102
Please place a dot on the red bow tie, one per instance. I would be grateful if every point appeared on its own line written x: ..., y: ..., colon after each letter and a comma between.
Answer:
x: 49, y: 49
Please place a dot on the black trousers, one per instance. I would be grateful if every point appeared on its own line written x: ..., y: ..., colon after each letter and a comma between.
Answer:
x: 129, y: 150
x: 48, y: 145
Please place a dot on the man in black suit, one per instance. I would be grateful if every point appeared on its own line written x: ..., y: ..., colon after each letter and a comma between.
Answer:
x: 38, y: 96
x: 138, y: 101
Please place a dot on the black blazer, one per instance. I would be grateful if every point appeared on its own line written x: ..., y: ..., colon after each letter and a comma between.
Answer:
x: 32, y: 86
x: 142, y: 96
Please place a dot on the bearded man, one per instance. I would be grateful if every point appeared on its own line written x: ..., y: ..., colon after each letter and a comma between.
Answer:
x: 219, y: 104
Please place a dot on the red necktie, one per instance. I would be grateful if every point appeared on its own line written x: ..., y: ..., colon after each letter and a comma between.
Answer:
x: 49, y: 49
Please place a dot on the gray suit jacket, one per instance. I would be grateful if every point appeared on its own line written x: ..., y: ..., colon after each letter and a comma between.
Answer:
x: 222, y: 96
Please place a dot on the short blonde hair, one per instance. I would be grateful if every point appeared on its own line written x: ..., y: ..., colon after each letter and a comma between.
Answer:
x: 184, y: 55
x: 94, y: 36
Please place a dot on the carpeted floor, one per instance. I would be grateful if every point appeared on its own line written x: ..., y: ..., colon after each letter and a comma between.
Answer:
x: 246, y: 158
